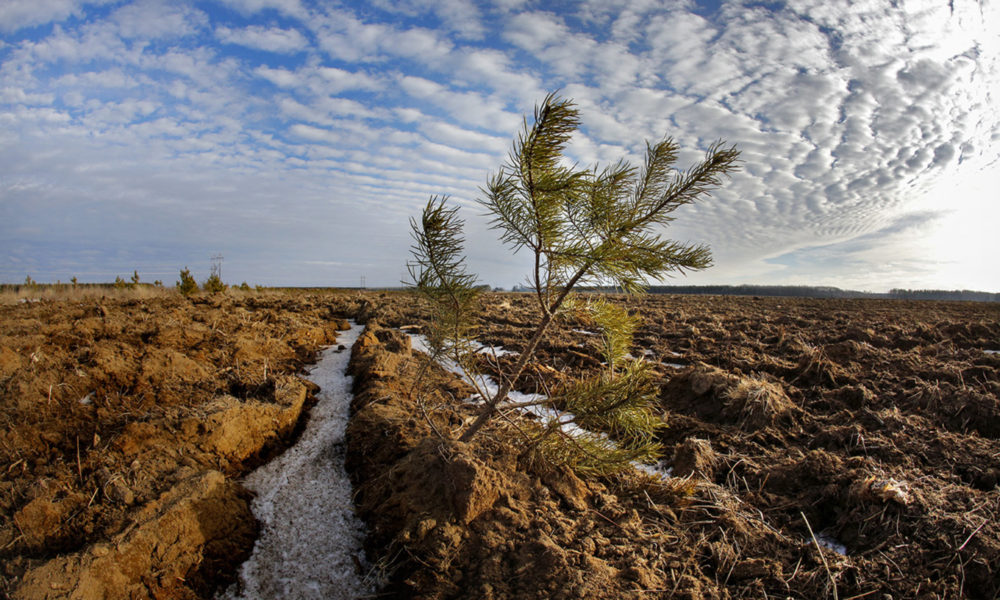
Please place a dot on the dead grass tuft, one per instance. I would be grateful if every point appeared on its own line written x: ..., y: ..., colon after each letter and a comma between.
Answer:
x: 758, y: 403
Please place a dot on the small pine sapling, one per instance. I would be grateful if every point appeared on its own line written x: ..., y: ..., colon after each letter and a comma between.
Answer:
x: 438, y: 273
x: 214, y: 285
x: 581, y: 227
x: 187, y: 285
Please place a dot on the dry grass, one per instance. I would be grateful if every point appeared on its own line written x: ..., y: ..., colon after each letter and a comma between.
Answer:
x: 21, y: 294
x: 759, y: 403
x: 66, y: 292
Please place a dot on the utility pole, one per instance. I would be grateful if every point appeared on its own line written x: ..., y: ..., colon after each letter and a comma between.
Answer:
x: 217, y: 265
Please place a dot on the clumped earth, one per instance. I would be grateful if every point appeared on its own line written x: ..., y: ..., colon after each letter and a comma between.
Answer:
x: 817, y: 447
x: 815, y: 444
x: 125, y: 424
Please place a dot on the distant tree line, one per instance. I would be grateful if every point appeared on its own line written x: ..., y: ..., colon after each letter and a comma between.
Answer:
x: 967, y: 295
x: 806, y: 291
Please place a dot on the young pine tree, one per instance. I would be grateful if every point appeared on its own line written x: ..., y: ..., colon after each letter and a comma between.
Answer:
x: 596, y: 226
x: 187, y: 285
x: 214, y: 285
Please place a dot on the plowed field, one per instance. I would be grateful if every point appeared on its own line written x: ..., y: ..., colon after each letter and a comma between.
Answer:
x: 817, y: 447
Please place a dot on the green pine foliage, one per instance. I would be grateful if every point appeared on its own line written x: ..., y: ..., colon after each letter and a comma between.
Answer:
x: 214, y: 285
x: 187, y: 285
x: 619, y: 401
x: 438, y: 272
x: 593, y: 226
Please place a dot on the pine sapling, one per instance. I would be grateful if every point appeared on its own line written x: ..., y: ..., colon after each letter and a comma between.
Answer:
x: 596, y: 226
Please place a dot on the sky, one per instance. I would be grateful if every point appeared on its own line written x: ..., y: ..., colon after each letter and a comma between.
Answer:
x: 296, y: 139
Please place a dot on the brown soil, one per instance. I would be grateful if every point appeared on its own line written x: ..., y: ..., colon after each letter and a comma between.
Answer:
x: 454, y: 520
x: 872, y: 423
x: 125, y: 424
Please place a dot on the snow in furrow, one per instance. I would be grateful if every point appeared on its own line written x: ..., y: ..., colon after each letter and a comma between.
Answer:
x: 543, y: 411
x: 546, y: 413
x: 310, y: 544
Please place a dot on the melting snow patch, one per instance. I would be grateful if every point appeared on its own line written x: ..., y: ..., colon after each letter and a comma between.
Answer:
x: 534, y: 403
x: 828, y: 542
x: 494, y: 350
x: 310, y: 543
x: 992, y: 351
x: 658, y: 469
x: 650, y: 353
x: 585, y: 332
x: 419, y: 343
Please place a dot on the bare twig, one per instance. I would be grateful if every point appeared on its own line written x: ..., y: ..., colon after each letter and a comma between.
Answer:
x: 79, y: 466
x: 826, y: 565
x: 968, y: 539
x: 861, y: 595
x: 420, y: 399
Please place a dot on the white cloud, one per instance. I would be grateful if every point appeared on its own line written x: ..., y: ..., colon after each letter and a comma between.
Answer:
x: 280, y: 77
x: 250, y: 7
x: 337, y: 80
x: 88, y: 44
x: 109, y: 78
x: 467, y: 107
x: 344, y: 37
x: 154, y: 19
x: 575, y: 56
x: 271, y: 39
x: 12, y: 95
x: 316, y: 81
x: 459, y: 17
x: 17, y: 14
x: 453, y: 135
x: 494, y: 69
x: 420, y: 44
x: 326, y: 110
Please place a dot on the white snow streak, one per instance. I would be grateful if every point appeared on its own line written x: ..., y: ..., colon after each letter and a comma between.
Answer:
x: 538, y: 408
x: 310, y: 544
x: 830, y: 543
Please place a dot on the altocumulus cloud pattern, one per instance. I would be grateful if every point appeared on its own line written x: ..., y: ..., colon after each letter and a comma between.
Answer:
x: 298, y: 137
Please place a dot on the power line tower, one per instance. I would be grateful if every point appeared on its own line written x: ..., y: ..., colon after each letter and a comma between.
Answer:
x: 217, y: 265
x: 363, y: 281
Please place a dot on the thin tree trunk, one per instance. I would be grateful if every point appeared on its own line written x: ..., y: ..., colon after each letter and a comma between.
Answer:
x: 508, y: 383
